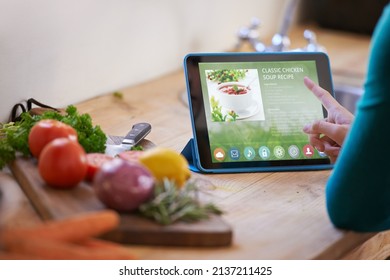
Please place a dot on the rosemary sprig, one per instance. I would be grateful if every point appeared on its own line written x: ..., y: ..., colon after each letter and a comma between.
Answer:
x: 171, y: 204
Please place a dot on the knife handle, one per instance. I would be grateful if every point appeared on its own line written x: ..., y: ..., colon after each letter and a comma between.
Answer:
x: 137, y: 133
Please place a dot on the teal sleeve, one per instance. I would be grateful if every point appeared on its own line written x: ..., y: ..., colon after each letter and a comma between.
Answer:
x: 358, y: 190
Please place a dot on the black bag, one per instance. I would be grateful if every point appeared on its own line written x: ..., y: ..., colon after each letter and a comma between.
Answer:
x: 15, y: 116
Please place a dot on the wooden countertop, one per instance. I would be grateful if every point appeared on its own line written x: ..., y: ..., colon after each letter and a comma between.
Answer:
x: 273, y: 215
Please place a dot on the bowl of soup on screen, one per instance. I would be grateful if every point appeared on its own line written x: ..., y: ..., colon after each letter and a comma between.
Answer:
x: 234, y: 96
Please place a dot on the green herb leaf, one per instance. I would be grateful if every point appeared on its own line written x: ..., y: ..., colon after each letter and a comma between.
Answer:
x: 171, y: 204
x: 137, y: 148
x: 118, y: 95
x: 218, y: 116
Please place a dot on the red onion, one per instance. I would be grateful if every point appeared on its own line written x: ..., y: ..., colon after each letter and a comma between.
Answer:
x: 123, y: 185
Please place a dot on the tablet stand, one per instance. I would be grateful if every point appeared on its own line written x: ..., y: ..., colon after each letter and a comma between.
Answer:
x: 189, y: 153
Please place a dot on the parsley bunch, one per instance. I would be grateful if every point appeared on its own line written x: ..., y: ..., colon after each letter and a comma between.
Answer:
x: 14, y: 135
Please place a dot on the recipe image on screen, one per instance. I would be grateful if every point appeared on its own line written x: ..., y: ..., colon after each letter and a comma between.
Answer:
x: 255, y: 111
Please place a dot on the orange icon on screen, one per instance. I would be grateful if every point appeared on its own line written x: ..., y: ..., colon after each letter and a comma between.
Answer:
x: 219, y: 154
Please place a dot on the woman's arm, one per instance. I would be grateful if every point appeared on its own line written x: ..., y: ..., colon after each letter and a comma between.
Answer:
x: 358, y: 191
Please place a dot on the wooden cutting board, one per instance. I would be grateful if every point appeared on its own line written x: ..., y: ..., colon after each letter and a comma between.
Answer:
x: 57, y: 204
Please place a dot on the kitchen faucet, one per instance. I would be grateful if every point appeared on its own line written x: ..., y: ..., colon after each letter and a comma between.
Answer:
x: 280, y: 41
x: 251, y: 35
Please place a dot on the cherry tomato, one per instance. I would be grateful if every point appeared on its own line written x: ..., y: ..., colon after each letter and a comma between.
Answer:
x: 45, y: 131
x: 131, y: 155
x: 63, y: 163
x: 94, y: 162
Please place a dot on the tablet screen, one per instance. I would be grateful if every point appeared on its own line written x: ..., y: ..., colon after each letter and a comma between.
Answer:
x: 253, y: 108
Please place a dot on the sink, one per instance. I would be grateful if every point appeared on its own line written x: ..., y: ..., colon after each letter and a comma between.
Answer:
x: 348, y: 96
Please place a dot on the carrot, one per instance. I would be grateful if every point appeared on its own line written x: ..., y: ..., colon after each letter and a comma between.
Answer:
x: 37, y: 248
x: 100, y: 244
x: 15, y: 256
x: 71, y: 238
x: 72, y: 229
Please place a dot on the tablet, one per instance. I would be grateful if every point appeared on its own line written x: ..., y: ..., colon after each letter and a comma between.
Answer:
x: 248, y: 110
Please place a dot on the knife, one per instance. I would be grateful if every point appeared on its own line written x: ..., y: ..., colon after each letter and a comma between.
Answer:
x: 117, y: 144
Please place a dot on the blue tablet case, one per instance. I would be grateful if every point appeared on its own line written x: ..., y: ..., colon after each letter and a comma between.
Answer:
x: 189, y: 153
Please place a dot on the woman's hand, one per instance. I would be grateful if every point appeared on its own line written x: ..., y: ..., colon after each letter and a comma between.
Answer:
x: 328, y: 135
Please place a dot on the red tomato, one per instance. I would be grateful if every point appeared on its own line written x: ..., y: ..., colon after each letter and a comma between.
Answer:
x: 63, y: 163
x: 94, y: 162
x: 131, y: 155
x: 45, y: 131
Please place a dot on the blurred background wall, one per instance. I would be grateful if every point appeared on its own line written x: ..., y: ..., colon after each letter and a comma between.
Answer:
x: 65, y: 51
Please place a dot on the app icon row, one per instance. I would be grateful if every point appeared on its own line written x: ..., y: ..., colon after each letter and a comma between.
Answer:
x: 265, y: 153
